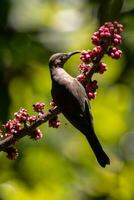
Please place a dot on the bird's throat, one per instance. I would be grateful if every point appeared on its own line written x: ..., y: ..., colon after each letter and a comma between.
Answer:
x: 59, y: 75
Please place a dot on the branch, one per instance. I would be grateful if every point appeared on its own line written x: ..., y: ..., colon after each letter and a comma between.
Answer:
x: 28, y: 129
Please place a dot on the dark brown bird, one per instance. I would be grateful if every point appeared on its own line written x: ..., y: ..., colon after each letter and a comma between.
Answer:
x: 70, y: 97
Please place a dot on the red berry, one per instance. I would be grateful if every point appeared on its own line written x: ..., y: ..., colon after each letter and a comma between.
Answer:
x: 32, y: 119
x: 91, y: 95
x: 54, y: 122
x: 39, y: 107
x: 102, y: 67
x: 95, y: 40
x: 81, y: 78
x: 36, y: 134
x: 84, y: 67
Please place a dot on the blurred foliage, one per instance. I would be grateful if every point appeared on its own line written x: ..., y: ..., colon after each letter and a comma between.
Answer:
x: 61, y: 166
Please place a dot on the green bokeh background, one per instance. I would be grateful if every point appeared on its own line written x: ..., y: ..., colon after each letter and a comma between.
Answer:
x: 61, y: 165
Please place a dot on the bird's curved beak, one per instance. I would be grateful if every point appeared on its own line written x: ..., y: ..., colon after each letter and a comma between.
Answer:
x: 72, y: 53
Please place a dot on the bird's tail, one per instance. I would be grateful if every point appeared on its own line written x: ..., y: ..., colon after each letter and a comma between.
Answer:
x: 101, y: 156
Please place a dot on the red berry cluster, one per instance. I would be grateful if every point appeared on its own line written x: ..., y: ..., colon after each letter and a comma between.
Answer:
x: 21, y: 115
x: 12, y: 127
x: 106, y: 39
x: 108, y: 34
x: 36, y: 134
x: 39, y: 107
x: 22, y: 119
x: 115, y: 52
x: 12, y: 152
x: 32, y: 119
x: 54, y: 122
x: 91, y: 88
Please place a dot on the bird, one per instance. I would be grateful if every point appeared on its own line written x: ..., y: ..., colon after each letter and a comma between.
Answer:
x: 72, y: 101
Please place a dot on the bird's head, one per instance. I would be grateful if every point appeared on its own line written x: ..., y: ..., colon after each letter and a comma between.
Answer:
x: 59, y: 59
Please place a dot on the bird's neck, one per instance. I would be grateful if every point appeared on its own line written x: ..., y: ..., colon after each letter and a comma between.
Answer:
x: 53, y: 71
x: 58, y: 73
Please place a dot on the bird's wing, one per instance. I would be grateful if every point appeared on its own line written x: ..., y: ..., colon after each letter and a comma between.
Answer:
x: 72, y: 100
x: 70, y: 93
x: 85, y: 116
x: 78, y: 91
